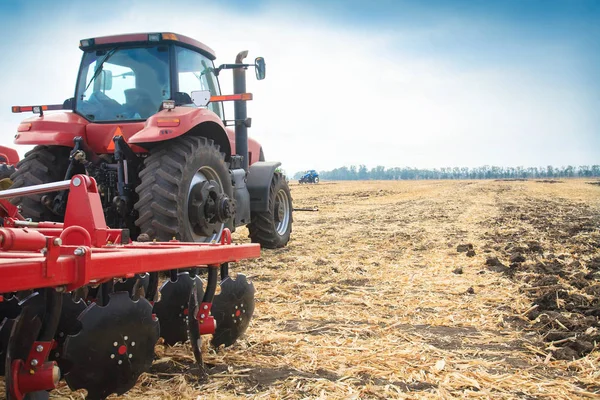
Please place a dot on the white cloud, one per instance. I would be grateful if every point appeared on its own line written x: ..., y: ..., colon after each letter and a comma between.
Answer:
x: 336, y: 96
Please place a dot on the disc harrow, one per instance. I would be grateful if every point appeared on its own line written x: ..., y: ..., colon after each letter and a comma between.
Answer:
x: 78, y: 298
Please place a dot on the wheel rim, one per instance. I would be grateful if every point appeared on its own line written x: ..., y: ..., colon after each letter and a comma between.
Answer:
x: 282, y: 212
x: 204, y: 174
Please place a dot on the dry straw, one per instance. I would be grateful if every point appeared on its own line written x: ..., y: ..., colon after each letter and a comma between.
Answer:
x: 363, y: 303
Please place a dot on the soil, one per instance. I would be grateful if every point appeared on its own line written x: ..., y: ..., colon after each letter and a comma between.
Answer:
x: 427, y: 289
x: 552, y: 247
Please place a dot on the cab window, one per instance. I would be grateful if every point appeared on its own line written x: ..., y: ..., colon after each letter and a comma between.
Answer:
x: 196, y: 72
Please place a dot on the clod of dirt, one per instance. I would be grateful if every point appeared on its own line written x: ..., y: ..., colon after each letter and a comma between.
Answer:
x: 495, y: 265
x: 565, y: 353
x: 549, y: 300
x: 544, y: 280
x: 492, y: 261
x: 471, y: 253
x: 579, y: 281
x: 517, y: 258
x: 458, y: 271
x: 535, y: 247
x: 462, y: 248
x: 593, y: 290
x: 471, y: 290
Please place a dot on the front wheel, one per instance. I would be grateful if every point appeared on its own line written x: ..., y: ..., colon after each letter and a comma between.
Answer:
x: 272, y: 228
x: 43, y: 164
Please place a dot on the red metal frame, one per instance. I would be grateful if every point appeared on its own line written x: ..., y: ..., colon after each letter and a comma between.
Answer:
x: 84, y: 250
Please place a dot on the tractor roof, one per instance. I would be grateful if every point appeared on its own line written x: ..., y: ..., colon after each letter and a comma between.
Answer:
x: 147, y: 37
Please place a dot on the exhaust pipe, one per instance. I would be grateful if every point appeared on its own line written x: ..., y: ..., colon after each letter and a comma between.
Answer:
x: 240, y: 110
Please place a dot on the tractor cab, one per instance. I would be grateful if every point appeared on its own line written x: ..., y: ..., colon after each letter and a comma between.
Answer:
x: 128, y: 81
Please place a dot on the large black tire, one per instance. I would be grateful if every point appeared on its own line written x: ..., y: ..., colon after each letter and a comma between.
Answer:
x: 43, y: 164
x: 165, y: 183
x: 272, y: 228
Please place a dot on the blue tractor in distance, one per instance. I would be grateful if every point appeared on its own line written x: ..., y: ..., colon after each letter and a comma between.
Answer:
x: 311, y: 176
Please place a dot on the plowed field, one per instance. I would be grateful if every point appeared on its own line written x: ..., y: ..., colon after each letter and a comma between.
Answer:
x: 428, y: 289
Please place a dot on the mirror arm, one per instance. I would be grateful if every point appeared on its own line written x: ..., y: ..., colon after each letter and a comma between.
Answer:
x: 231, y: 66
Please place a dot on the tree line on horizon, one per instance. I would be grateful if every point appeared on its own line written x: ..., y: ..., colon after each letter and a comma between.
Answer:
x: 485, y: 172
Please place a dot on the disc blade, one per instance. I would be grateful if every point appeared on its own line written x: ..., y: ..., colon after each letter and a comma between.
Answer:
x: 67, y: 325
x: 232, y: 309
x: 172, y: 308
x: 114, y: 346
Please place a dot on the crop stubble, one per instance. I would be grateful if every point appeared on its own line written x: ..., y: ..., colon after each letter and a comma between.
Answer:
x: 371, y: 298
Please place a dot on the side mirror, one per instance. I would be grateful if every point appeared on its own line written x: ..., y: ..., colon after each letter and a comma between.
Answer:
x: 106, y: 80
x: 260, y: 68
x: 201, y: 98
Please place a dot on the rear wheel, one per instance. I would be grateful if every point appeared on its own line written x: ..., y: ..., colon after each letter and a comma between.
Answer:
x: 43, y: 164
x: 272, y: 228
x: 185, y: 192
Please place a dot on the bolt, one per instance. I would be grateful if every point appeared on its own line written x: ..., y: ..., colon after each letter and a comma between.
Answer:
x: 39, y: 348
x: 61, y: 289
x: 76, y: 181
x: 132, y: 344
x: 234, y: 321
x: 205, y: 307
x: 79, y: 251
x: 236, y: 307
x: 232, y: 315
x: 125, y: 338
x: 130, y: 355
x: 115, y: 344
x: 202, y: 315
x: 57, y: 242
x: 112, y: 356
x: 61, y: 334
x: 57, y: 354
x: 120, y: 362
x: 34, y: 362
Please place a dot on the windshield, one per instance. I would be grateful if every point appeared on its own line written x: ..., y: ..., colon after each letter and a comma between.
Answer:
x: 123, y: 84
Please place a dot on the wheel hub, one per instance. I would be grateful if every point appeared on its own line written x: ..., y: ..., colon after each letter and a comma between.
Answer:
x: 279, y: 211
x: 209, y: 207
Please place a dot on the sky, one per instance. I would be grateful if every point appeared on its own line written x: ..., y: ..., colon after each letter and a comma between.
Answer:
x: 379, y: 82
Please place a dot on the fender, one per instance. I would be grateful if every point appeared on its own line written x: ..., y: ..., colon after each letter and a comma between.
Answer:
x: 8, y: 155
x: 58, y: 129
x: 260, y: 175
x: 166, y: 125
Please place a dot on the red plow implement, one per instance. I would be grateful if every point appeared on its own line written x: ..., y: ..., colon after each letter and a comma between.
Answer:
x: 80, y: 300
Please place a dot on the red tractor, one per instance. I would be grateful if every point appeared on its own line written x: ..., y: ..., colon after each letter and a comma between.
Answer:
x: 147, y: 126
